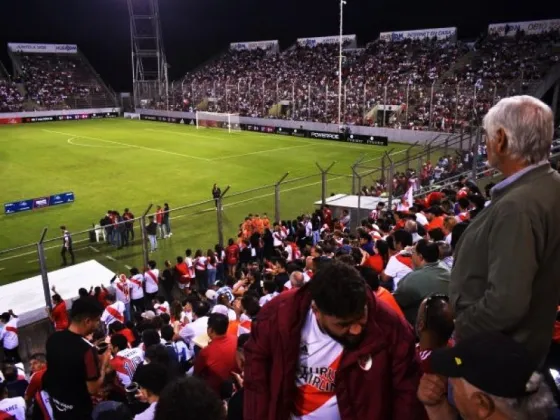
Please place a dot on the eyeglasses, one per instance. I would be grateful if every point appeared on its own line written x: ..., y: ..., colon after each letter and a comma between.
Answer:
x: 430, y: 302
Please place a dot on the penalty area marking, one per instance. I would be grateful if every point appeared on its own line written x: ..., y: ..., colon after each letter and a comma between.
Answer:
x: 72, y: 141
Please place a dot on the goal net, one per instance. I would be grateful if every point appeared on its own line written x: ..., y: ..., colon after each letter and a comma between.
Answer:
x: 229, y: 122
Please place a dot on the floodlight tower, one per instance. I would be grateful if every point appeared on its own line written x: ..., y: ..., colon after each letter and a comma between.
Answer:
x: 342, y: 3
x: 149, y: 66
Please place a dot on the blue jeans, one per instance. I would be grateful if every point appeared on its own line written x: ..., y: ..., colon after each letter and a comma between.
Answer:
x: 220, y: 271
x: 211, y: 276
x: 127, y: 316
x: 153, y: 242
x: 316, y: 237
x: 167, y: 226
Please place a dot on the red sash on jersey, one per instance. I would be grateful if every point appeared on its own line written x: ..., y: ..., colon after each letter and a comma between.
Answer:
x: 309, y: 273
x: 152, y: 276
x: 296, y: 253
x: 404, y: 260
x: 11, y: 329
x: 136, y: 282
x: 116, y: 314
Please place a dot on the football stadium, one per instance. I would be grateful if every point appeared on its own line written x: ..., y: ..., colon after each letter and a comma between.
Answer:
x: 252, y: 230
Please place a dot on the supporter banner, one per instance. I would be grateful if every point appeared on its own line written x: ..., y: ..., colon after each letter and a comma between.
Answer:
x: 65, y: 117
x: 264, y: 45
x: 311, y: 42
x: 530, y: 28
x: 166, y: 119
x: 43, y: 48
x: 37, y: 203
x: 14, y: 120
x: 439, y: 33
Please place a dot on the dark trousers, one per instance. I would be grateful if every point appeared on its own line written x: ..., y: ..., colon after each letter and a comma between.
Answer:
x: 149, y: 300
x: 137, y: 305
x: 63, y: 254
x: 129, y: 233
x: 201, y: 280
x: 12, y: 355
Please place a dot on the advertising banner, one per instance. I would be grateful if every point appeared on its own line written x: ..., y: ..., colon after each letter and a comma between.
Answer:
x: 530, y: 28
x: 348, y: 40
x: 439, y: 33
x: 14, y: 120
x: 38, y: 203
x: 19, y: 47
x: 263, y: 45
x: 67, y: 117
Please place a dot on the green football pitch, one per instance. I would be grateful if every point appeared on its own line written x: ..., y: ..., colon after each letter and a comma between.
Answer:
x: 113, y: 164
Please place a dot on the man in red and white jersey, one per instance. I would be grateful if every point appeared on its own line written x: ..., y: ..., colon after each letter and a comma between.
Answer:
x: 122, y: 293
x: 113, y: 312
x: 161, y: 306
x: 232, y: 256
x: 10, y: 408
x: 292, y: 249
x: 125, y: 360
x: 136, y: 285
x: 400, y: 264
x: 151, y: 279
x: 9, y: 337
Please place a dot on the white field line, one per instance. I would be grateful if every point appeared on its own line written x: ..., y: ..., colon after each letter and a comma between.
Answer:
x: 262, y: 151
x: 129, y: 145
x: 94, y: 249
x: 91, y: 145
x: 128, y: 267
x: 110, y: 258
x: 2, y: 268
x: 180, y: 216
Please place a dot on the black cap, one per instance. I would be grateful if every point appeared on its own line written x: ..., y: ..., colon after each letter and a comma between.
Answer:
x: 490, y: 361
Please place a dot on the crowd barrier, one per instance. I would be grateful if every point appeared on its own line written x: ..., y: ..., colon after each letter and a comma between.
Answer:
x: 59, y: 115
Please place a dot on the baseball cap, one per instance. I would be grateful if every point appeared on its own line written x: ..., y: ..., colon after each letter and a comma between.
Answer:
x: 211, y: 294
x: 220, y: 309
x: 149, y: 315
x: 225, y: 291
x: 490, y: 361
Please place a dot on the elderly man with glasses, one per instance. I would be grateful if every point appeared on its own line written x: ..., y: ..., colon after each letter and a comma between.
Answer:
x: 505, y: 276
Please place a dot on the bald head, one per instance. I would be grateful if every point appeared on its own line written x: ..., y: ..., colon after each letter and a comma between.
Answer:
x: 411, y: 226
x: 296, y: 279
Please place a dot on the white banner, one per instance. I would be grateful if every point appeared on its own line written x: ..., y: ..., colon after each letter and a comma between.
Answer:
x: 37, y: 114
x: 530, y: 28
x: 439, y: 33
x: 311, y: 42
x: 265, y: 45
x: 43, y: 48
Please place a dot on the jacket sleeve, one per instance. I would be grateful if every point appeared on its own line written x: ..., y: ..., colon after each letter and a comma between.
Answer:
x: 403, y: 295
x: 258, y: 356
x: 512, y: 265
x: 406, y: 377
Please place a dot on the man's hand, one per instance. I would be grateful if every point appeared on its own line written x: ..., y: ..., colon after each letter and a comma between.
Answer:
x: 53, y: 289
x: 432, y: 389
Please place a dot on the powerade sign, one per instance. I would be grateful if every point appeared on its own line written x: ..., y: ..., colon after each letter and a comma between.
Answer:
x: 38, y: 203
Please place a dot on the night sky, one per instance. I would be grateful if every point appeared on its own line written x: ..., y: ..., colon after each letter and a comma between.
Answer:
x: 196, y: 30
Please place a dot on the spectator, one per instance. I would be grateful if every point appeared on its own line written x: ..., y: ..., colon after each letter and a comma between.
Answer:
x: 151, y: 380
x: 382, y: 294
x: 215, y: 362
x: 189, y: 399
x: 199, y: 325
x: 124, y: 360
x: 11, y: 408
x: 296, y: 280
x: 15, y: 384
x: 428, y: 277
x: 9, y: 337
x: 445, y: 255
x: 58, y: 314
x: 75, y: 370
x: 38, y: 367
x: 486, y: 384
x: 151, y: 231
x: 114, y: 312
x: 400, y: 262
x: 434, y: 327
x: 316, y: 324
x: 496, y: 284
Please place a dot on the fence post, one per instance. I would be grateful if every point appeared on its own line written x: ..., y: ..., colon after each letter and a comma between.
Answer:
x: 354, y: 172
x: 324, y: 173
x: 475, y: 153
x: 220, y: 217
x: 389, y: 180
x: 277, y: 198
x: 407, y: 155
x: 383, y: 167
x: 43, y: 267
x: 446, y: 146
x: 144, y: 237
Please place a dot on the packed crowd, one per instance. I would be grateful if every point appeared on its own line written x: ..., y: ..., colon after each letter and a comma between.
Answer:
x: 429, y: 81
x: 445, y: 306
x: 58, y: 81
x: 11, y: 99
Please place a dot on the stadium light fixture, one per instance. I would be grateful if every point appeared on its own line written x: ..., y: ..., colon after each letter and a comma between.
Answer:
x: 342, y: 4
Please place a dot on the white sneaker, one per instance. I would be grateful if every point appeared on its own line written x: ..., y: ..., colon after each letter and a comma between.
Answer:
x: 170, y: 233
x: 166, y: 236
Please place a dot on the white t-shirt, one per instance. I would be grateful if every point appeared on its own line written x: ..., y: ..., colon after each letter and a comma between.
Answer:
x: 319, y: 358
x: 190, y: 266
x: 200, y: 263
x: 267, y: 298
x: 161, y: 308
x: 14, y: 407
x: 194, y: 329
x: 421, y: 218
x: 152, y: 280
x: 122, y: 291
x: 136, y: 290
x: 397, y: 269
x: 9, y: 334
x: 113, y: 312
x: 148, y: 414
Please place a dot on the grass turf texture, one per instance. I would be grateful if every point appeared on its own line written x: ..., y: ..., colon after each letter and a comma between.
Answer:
x: 113, y: 164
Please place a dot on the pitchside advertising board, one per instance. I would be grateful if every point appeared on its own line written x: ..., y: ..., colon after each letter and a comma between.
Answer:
x: 294, y: 132
x: 66, y: 117
x: 439, y: 33
x: 38, y: 203
x: 20, y: 47
x: 530, y: 28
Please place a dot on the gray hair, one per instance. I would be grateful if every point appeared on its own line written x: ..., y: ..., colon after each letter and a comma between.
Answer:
x: 411, y: 226
x: 535, y: 406
x: 444, y: 250
x: 296, y: 279
x: 528, y: 124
